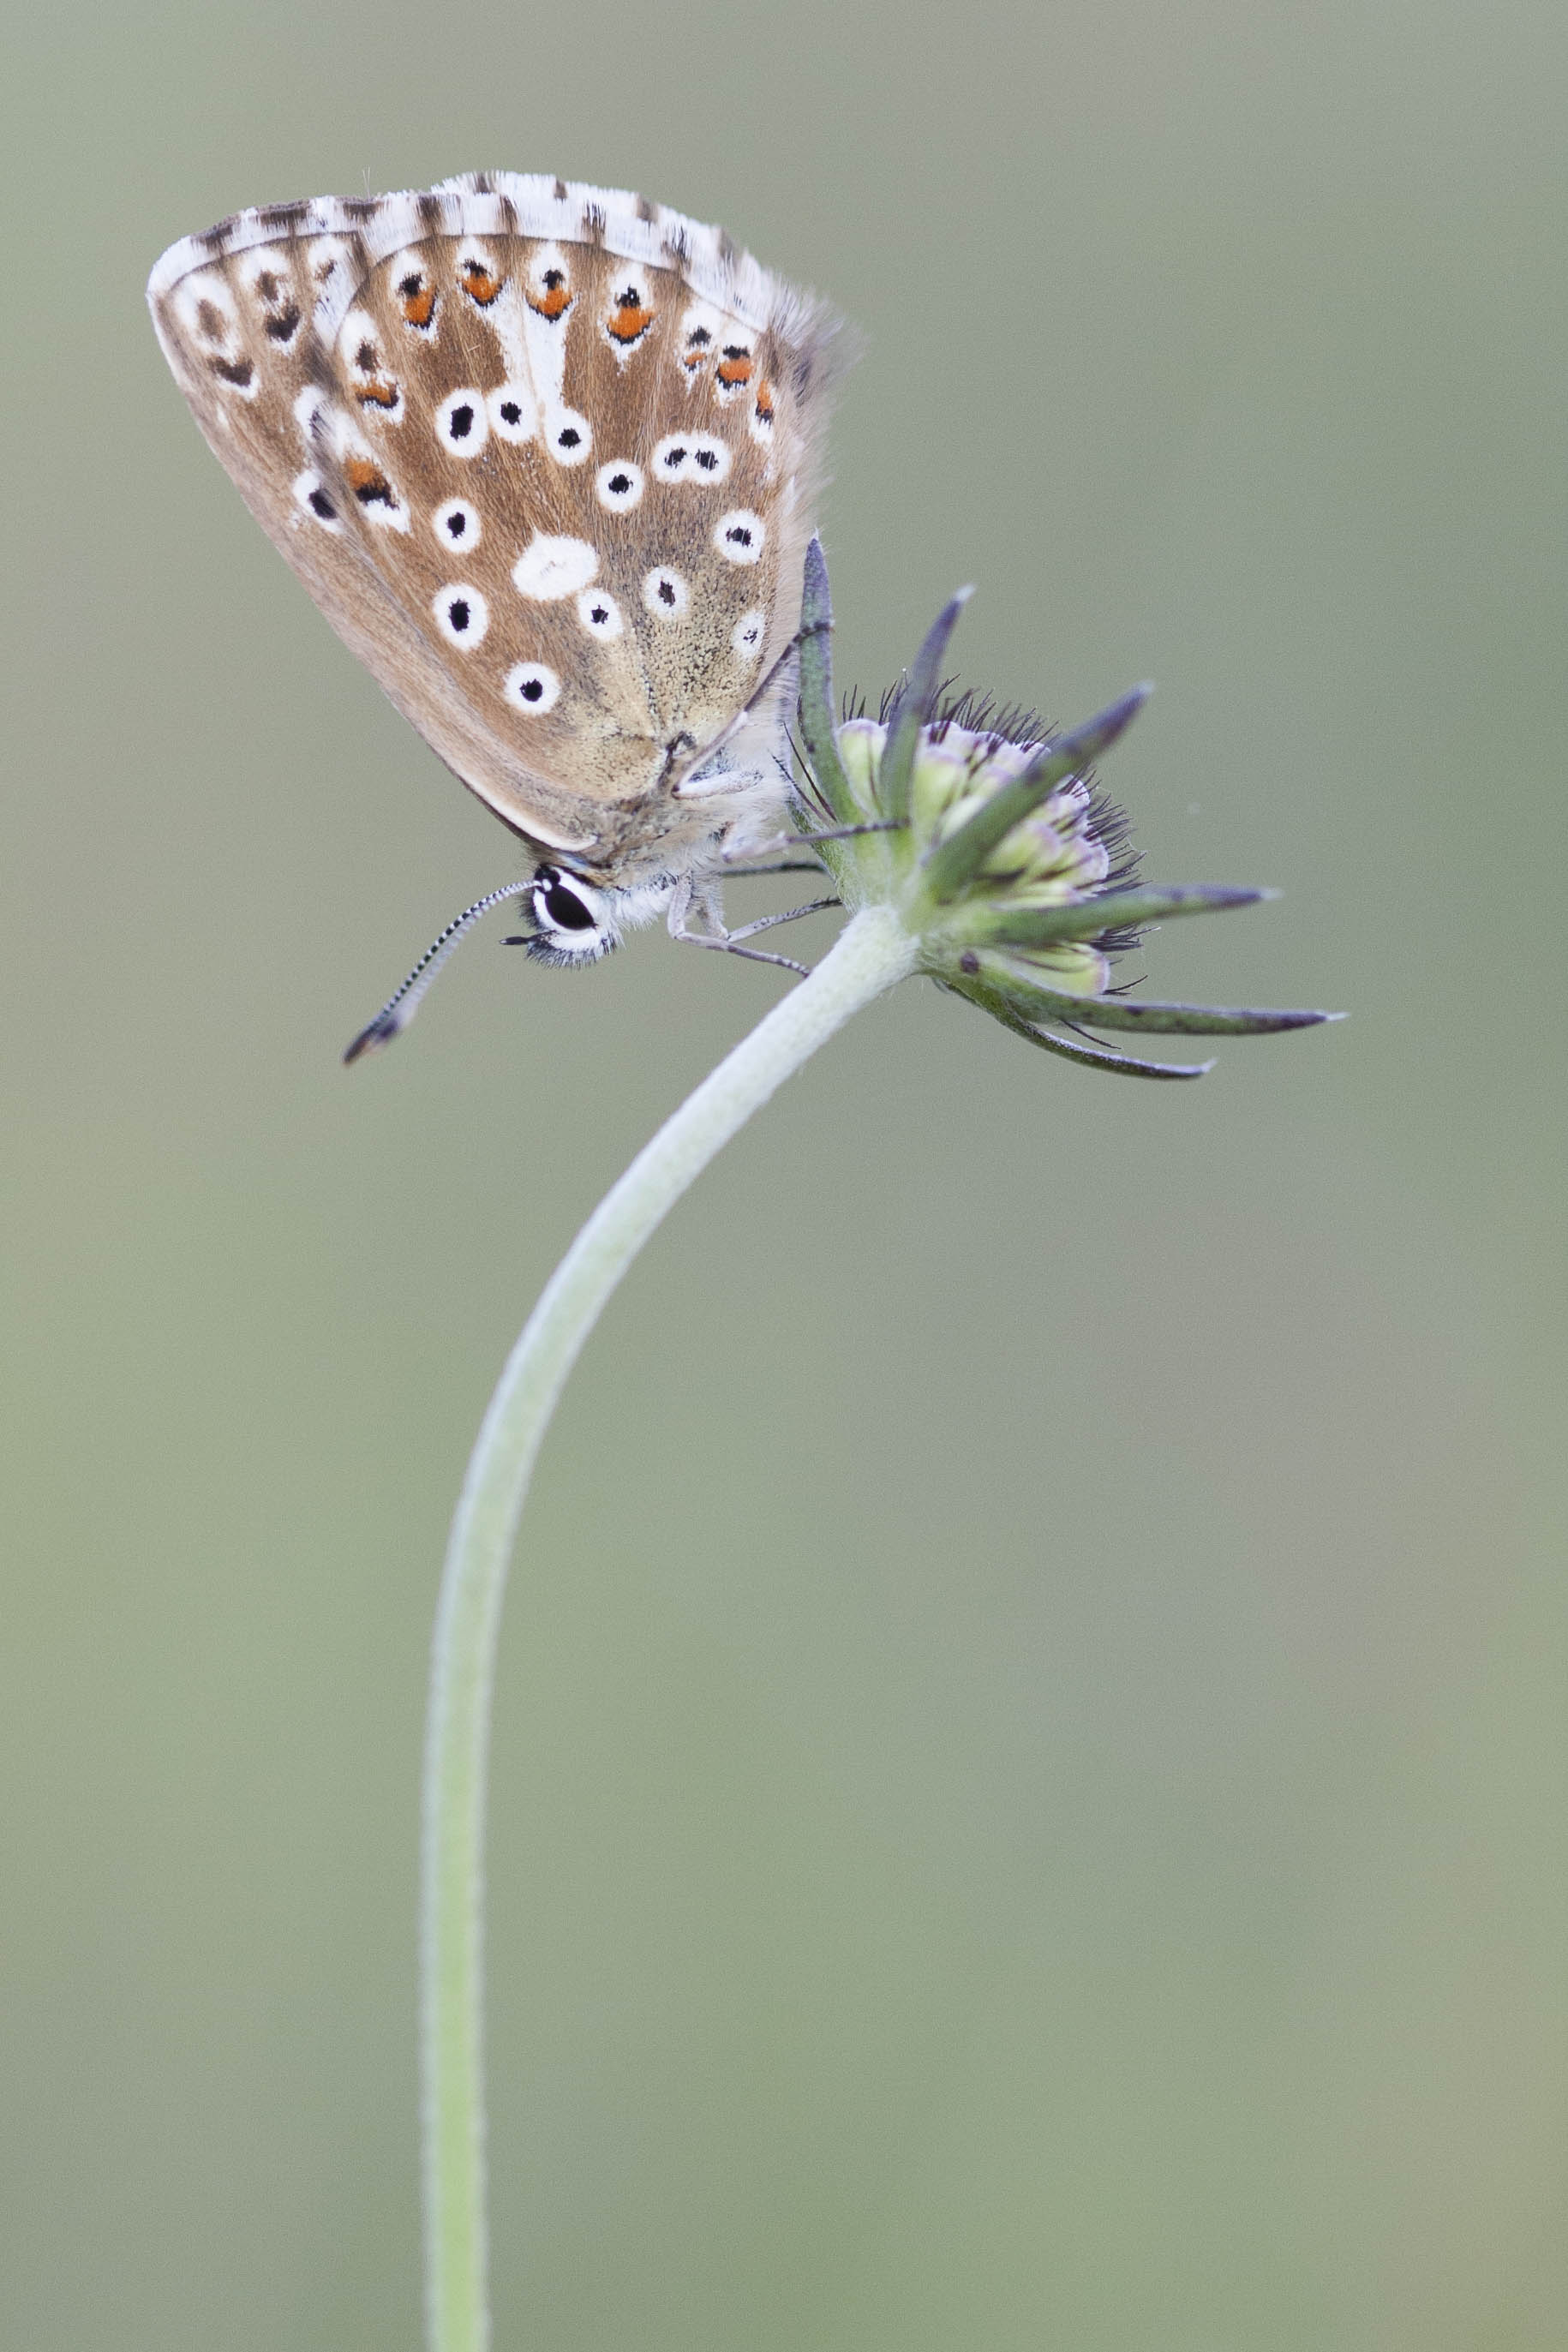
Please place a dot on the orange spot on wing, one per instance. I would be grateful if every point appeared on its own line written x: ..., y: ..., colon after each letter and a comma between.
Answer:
x: 764, y: 411
x: 419, y: 308
x: 735, y: 367
x: 480, y: 283
x: 368, y: 483
x: 555, y: 298
x: 630, y: 322
x: 379, y: 394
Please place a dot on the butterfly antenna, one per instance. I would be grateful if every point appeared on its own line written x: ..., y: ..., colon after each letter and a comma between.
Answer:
x: 401, y: 1007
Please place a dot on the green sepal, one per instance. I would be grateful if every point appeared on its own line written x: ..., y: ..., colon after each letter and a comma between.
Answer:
x: 1001, y: 926
x: 917, y: 699
x: 816, y: 729
x: 1093, y: 1057
x: 951, y: 863
x: 1159, y: 1019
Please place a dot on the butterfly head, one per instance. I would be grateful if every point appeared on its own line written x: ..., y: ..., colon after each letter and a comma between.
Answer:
x: 575, y: 921
x: 572, y: 922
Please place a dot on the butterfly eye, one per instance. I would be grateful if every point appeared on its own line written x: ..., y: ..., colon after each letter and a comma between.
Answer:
x: 560, y: 905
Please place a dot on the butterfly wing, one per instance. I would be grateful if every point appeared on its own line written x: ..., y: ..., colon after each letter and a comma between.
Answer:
x: 545, y: 456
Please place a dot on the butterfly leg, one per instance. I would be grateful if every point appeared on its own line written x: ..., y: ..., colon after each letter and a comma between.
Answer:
x: 783, y: 865
x: 690, y: 897
x: 804, y: 840
x: 791, y: 915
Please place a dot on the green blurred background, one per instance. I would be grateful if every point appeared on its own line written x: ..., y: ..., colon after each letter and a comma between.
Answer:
x: 1030, y: 1773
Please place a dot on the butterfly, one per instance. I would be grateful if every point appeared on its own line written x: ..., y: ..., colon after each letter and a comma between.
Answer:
x: 546, y: 456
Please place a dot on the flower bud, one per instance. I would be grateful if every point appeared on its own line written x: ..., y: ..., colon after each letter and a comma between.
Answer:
x: 986, y: 833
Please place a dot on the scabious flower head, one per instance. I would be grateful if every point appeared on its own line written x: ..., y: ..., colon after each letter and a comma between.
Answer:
x: 987, y: 833
x: 1072, y: 847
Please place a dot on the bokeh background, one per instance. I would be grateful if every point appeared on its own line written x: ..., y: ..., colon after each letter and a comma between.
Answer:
x: 1029, y: 1793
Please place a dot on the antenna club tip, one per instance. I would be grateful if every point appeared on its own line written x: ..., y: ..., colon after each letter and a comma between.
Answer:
x: 370, y: 1041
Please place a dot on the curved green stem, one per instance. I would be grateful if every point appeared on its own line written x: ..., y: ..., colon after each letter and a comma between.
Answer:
x: 872, y: 952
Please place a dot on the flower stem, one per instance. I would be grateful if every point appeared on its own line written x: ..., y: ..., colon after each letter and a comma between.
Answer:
x: 871, y: 953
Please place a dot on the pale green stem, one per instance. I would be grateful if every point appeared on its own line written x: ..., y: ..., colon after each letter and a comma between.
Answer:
x: 872, y: 952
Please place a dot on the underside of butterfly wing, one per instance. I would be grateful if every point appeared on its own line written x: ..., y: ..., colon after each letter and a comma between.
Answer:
x: 546, y: 456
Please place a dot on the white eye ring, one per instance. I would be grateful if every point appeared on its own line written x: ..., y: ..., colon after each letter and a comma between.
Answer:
x: 457, y: 524
x: 532, y: 686
x: 550, y: 879
x: 746, y: 636
x: 309, y: 494
x: 599, y: 614
x: 521, y: 423
x: 739, y: 535
x: 709, y: 460
x: 569, y: 437
x: 665, y: 594
x: 463, y: 422
x: 462, y: 615
x: 620, y: 485
x: 671, y: 460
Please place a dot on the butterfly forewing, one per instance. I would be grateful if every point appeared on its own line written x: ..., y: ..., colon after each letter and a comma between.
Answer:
x: 544, y: 456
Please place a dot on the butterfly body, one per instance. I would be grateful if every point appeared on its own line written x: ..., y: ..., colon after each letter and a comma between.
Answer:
x: 546, y: 456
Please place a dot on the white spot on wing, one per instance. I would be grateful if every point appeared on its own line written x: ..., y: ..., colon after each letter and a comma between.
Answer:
x: 512, y: 415
x: 599, y: 614
x: 746, y: 636
x: 711, y: 458
x: 620, y: 485
x: 462, y: 421
x: 312, y: 497
x: 534, y: 686
x: 569, y: 437
x: 309, y: 414
x: 457, y: 524
x: 665, y: 593
x: 462, y: 615
x: 551, y: 567
x: 692, y: 458
x: 327, y: 258
x: 739, y: 535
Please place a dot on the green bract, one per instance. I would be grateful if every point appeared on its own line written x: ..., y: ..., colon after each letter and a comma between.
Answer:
x: 990, y: 843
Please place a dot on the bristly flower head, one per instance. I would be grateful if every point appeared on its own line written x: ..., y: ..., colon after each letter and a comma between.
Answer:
x: 986, y: 834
